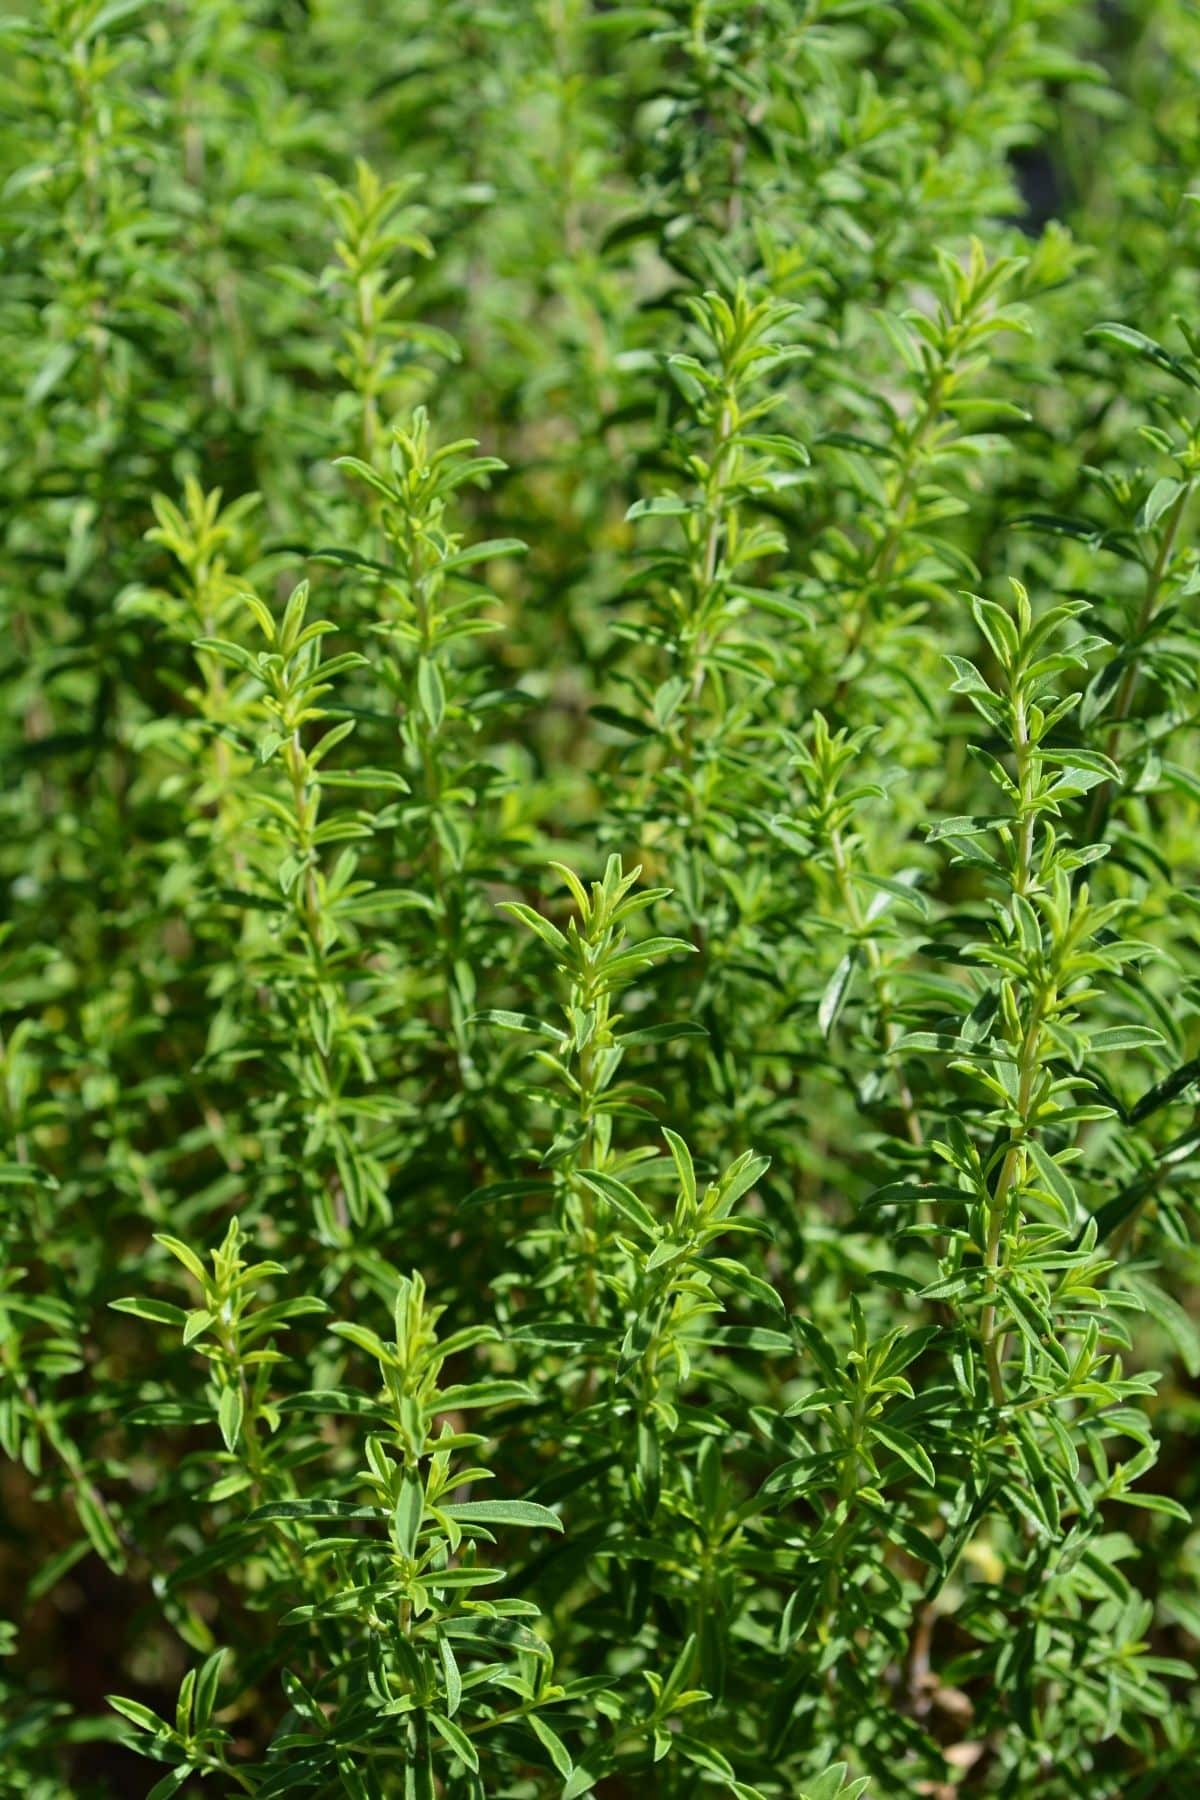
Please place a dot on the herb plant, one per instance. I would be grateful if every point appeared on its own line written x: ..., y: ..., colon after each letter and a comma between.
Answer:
x: 600, y: 965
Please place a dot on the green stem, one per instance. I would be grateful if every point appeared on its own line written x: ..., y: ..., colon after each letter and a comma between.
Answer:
x: 1013, y: 1166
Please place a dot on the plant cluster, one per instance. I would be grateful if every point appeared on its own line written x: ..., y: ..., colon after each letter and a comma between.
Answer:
x: 600, y: 963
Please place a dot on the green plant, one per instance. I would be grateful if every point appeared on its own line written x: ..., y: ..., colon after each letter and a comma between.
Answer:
x: 600, y: 970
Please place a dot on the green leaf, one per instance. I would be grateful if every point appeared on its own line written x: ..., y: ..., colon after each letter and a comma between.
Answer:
x: 231, y: 654
x: 669, y: 506
x: 456, y: 1739
x: 622, y: 1199
x: 524, y: 1513
x: 160, y: 1311
x: 564, y: 1334
x: 661, y: 1034
x: 1157, y: 1503
x: 229, y: 1416
x: 833, y: 998
x: 582, y: 1780
x: 207, y: 1683
x: 431, y: 692
x: 311, y: 1511
x: 95, y: 1519
x: 188, y: 1258
x: 1164, y: 492
x: 548, y: 933
x: 483, y: 552
x: 463, y: 1396
x: 682, y: 1158
x: 450, y: 1676
x: 364, y: 778
x: 139, y: 1715
x: 363, y: 1338
x: 752, y: 1337
x: 1143, y: 347
x: 962, y: 826
x: 171, y: 1784
x: 907, y: 1449
x: 552, y: 1744
x: 703, y: 1755
x: 743, y: 1281
x: 514, y: 1021
x: 1125, y: 1037
x: 366, y: 473
x: 409, y: 1512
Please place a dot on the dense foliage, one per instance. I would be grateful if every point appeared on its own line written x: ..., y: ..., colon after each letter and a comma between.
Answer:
x: 601, y: 966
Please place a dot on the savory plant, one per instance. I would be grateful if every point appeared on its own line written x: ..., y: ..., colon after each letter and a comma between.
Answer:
x: 600, y: 974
